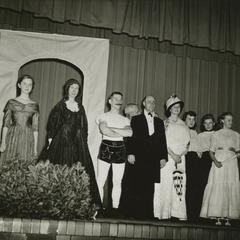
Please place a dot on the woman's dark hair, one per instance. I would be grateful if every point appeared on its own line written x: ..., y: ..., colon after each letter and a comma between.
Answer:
x: 111, y: 95
x: 192, y: 114
x: 204, y: 118
x: 66, y: 87
x: 221, y: 118
x: 20, y: 79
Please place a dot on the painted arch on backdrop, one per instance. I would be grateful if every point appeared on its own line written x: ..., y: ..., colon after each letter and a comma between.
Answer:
x: 90, y: 55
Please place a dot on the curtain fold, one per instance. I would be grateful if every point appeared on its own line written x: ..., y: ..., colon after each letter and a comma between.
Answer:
x: 214, y: 24
x: 26, y: 21
x: 204, y: 86
x: 206, y: 80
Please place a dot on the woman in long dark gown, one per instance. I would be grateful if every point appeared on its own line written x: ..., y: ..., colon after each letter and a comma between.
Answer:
x: 67, y: 133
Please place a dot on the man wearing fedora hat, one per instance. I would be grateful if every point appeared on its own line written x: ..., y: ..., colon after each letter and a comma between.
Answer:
x: 147, y: 152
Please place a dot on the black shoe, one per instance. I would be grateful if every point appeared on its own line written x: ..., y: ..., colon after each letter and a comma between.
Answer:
x: 116, y: 213
x: 101, y: 213
x: 193, y: 220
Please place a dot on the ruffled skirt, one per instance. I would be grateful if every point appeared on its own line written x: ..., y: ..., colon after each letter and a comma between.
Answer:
x: 222, y: 193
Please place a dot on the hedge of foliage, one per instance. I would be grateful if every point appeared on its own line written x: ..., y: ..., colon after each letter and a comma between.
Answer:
x: 44, y: 191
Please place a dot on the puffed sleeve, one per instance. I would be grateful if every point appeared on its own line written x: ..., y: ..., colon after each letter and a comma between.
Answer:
x: 7, y: 119
x: 54, y: 121
x: 35, y: 119
x: 213, y: 142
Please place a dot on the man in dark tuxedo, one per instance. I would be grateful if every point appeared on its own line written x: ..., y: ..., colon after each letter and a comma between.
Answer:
x: 147, y: 152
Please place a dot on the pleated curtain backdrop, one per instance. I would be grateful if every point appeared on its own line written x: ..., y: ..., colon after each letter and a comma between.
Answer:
x: 205, y: 86
x: 206, y: 80
x: 204, y: 23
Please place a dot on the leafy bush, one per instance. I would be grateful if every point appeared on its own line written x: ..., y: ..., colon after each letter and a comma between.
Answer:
x: 44, y: 191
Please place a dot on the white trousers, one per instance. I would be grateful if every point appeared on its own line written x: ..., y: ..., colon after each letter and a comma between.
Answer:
x: 117, y: 174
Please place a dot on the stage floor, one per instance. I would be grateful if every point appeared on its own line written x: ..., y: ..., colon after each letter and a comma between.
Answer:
x: 106, y: 228
x: 169, y: 229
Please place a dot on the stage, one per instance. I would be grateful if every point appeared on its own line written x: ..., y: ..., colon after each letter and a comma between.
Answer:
x: 35, y: 229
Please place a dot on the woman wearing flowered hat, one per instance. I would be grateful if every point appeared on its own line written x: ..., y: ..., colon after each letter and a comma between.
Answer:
x: 169, y: 197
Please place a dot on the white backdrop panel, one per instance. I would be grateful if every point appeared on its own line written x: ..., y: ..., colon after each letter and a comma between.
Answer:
x: 90, y: 55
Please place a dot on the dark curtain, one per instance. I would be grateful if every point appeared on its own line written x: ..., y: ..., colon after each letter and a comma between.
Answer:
x: 206, y: 80
x: 27, y: 22
x: 214, y: 24
x: 205, y: 86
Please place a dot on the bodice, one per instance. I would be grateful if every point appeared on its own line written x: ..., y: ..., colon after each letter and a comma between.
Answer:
x: 20, y: 114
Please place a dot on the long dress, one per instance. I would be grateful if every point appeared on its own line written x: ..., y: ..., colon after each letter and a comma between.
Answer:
x: 169, y: 199
x: 21, y: 121
x: 222, y: 193
x: 69, y: 132
x: 205, y: 163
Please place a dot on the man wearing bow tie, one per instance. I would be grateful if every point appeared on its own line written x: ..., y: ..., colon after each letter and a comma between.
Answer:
x: 147, y: 152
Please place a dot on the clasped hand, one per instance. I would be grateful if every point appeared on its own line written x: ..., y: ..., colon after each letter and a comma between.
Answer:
x: 217, y: 164
x: 176, y: 158
x: 162, y: 163
x: 131, y: 159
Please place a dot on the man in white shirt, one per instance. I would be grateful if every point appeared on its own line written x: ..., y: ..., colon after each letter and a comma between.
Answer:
x: 113, y: 127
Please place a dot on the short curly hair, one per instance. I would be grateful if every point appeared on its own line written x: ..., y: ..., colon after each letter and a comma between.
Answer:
x: 192, y: 114
x: 204, y: 118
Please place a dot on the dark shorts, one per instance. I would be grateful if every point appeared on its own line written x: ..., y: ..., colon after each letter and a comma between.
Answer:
x: 112, y: 151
